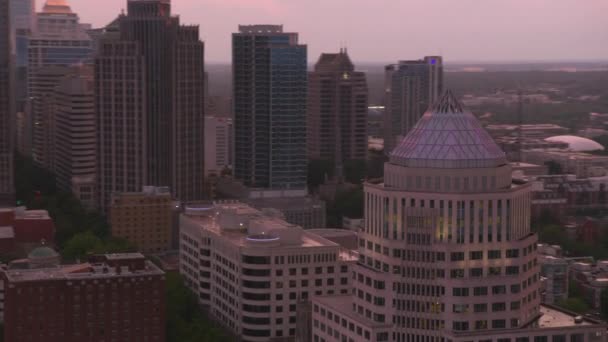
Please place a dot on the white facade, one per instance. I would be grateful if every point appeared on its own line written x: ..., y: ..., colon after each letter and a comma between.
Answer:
x: 252, y: 270
x: 218, y: 145
x: 446, y: 250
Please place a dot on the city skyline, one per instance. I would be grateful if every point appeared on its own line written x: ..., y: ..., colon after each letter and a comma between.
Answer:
x: 565, y: 33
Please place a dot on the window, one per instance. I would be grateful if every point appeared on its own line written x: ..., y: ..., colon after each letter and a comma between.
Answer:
x: 457, y: 273
x: 480, y: 307
x: 494, y: 271
x: 460, y: 292
x: 498, y: 307
x: 495, y: 254
x: 480, y: 291
x: 512, y: 253
x: 476, y: 272
x: 481, y: 325
x: 460, y: 308
x: 499, y: 324
x: 515, y: 288
x: 460, y: 326
x: 499, y: 289
x: 512, y: 270
x: 457, y: 256
x: 515, y: 305
x: 476, y: 255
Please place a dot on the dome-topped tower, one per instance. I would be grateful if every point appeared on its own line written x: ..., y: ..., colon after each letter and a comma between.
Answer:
x: 56, y: 6
x: 448, y: 136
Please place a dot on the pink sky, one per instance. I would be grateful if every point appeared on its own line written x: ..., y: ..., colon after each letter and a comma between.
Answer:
x: 388, y: 30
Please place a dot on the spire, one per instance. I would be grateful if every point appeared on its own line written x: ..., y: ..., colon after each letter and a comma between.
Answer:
x: 448, y: 136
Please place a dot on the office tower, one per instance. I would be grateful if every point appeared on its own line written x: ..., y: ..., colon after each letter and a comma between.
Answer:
x: 60, y: 41
x: 269, y: 82
x: 7, y: 108
x: 446, y: 251
x: 118, y: 297
x: 149, y: 77
x: 411, y: 87
x: 74, y: 142
x: 23, y: 19
x: 143, y: 218
x: 337, y: 110
x: 218, y: 145
x: 280, y: 268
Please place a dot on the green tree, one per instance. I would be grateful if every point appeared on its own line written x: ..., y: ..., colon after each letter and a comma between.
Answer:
x: 574, y: 304
x: 318, y: 170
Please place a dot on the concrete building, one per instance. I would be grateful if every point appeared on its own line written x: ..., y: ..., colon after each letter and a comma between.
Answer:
x: 269, y: 84
x: 29, y: 226
x: 529, y: 131
x: 581, y: 164
x: 295, y: 205
x: 75, y: 136
x: 151, y: 133
x: 144, y: 218
x: 446, y: 252
x: 218, y: 145
x: 337, y: 110
x: 591, y: 279
x: 410, y: 88
x: 23, y: 20
x: 554, y: 277
x: 252, y: 270
x: 117, y: 297
x: 59, y: 41
x: 7, y: 108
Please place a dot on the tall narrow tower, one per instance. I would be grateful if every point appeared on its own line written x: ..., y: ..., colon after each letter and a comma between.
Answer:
x: 7, y: 108
x: 150, y: 104
x: 269, y: 71
x: 337, y: 110
x: 411, y: 87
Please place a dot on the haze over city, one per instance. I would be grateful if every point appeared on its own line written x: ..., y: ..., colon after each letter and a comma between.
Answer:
x: 385, y: 30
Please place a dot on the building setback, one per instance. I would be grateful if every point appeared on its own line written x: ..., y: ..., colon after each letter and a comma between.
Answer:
x: 254, y: 272
x: 337, y: 110
x: 411, y: 87
x: 7, y: 108
x: 269, y: 83
x: 115, y: 297
x: 446, y: 250
x: 149, y: 75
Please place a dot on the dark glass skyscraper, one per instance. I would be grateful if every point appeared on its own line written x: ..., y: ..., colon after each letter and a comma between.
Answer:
x: 269, y: 71
x: 7, y: 109
x: 149, y: 78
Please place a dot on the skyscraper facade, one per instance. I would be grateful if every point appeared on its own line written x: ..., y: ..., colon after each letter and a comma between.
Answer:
x: 411, y: 87
x: 7, y: 108
x: 150, y: 104
x: 269, y: 83
x: 337, y: 110
x: 59, y: 41
x: 23, y: 19
x: 446, y: 251
x: 74, y: 143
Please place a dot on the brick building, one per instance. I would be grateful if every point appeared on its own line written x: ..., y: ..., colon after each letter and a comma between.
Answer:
x: 114, y: 297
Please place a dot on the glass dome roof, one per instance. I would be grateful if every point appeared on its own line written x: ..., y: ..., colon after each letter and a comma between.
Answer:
x: 577, y: 144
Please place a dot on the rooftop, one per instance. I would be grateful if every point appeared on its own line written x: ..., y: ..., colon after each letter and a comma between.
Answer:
x: 343, y: 304
x: 553, y: 317
x: 448, y: 136
x: 577, y: 144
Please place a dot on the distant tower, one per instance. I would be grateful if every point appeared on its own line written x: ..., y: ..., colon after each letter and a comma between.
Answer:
x: 7, y: 108
x: 269, y: 74
x: 150, y: 104
x: 60, y: 41
x: 337, y: 110
x: 411, y: 87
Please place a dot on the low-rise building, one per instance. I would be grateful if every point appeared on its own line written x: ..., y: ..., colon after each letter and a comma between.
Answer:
x: 114, y: 297
x: 554, y: 277
x: 252, y: 270
x: 144, y: 218
x: 28, y: 226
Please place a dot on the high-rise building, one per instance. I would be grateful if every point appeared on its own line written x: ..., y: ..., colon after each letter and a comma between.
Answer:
x: 23, y: 19
x: 118, y: 297
x: 269, y: 83
x: 411, y: 87
x: 59, y: 41
x: 143, y: 218
x: 337, y: 110
x: 74, y: 142
x: 446, y: 250
x: 7, y: 107
x: 151, y: 131
x: 253, y: 271
x: 218, y: 144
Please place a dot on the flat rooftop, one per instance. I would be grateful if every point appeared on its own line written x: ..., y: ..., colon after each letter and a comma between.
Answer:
x: 83, y: 271
x: 343, y: 304
x: 553, y: 317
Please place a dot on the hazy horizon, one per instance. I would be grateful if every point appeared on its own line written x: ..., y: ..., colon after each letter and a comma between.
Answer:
x: 464, y: 31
